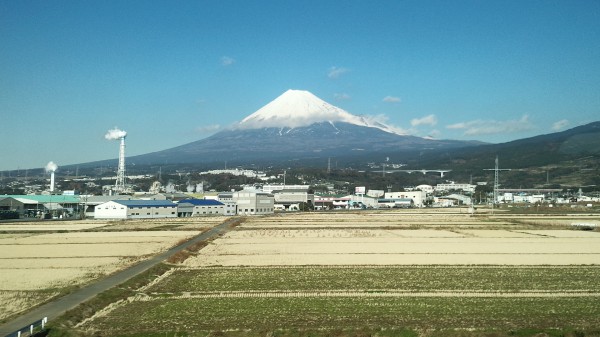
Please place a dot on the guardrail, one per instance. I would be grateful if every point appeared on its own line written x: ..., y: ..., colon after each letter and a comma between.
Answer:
x: 31, y: 329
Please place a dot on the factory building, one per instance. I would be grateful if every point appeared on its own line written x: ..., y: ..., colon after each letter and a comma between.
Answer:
x: 249, y: 202
x: 290, y: 199
x: 136, y: 209
x: 204, y: 207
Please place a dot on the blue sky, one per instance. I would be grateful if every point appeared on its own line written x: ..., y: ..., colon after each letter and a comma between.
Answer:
x: 170, y: 73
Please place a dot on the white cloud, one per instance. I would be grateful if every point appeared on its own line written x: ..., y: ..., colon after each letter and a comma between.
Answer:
x: 208, y: 129
x: 488, y: 127
x: 341, y: 96
x: 560, y: 125
x: 391, y: 99
x: 227, y: 61
x: 427, y: 120
x: 383, y: 119
x: 372, y: 119
x: 335, y: 72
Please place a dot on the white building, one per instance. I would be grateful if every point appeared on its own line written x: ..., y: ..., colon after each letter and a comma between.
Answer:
x: 292, y: 198
x: 425, y: 188
x: 376, y: 193
x: 91, y: 201
x: 271, y: 188
x: 395, y: 203
x: 239, y: 172
x: 418, y: 197
x: 249, y: 202
x: 455, y: 187
x: 136, y: 209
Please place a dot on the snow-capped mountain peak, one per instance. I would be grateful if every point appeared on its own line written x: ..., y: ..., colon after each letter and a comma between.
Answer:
x: 299, y: 108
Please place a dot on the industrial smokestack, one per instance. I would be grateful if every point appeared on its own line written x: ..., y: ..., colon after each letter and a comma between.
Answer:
x: 115, y: 134
x: 51, y: 167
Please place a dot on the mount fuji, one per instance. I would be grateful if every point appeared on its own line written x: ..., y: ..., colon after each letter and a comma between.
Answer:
x: 297, y: 125
x: 299, y: 108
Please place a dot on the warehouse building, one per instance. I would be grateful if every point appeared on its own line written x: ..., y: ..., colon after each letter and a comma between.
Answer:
x: 47, y: 205
x: 10, y: 208
x: 136, y: 209
x: 90, y: 202
x: 204, y: 207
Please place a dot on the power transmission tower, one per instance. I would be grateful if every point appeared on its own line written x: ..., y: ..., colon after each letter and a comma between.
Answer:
x: 496, y: 183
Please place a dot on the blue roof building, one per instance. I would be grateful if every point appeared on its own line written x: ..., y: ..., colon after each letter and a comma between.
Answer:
x: 204, y: 207
x: 201, y: 202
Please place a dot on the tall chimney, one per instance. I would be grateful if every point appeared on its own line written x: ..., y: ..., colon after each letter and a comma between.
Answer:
x: 51, y: 181
x: 120, y: 183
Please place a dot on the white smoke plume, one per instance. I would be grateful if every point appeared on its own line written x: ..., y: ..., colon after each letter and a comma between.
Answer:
x: 115, y: 133
x: 51, y: 167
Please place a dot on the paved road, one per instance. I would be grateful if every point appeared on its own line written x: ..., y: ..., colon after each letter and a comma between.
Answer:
x: 56, y: 308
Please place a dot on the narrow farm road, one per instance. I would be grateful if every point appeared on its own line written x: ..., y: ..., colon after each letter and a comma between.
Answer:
x: 61, y: 305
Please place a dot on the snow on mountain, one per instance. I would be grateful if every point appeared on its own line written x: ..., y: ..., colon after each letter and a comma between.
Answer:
x: 299, y: 108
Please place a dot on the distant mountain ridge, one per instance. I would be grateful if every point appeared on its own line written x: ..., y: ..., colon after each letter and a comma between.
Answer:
x: 319, y: 139
x: 297, y: 125
x: 548, y: 149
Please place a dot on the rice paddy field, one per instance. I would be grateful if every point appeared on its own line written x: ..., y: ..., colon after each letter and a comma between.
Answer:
x: 41, y: 261
x: 384, y: 273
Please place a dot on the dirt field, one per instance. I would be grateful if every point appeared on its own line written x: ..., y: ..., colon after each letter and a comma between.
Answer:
x: 414, y: 269
x: 50, y: 258
x: 388, y: 238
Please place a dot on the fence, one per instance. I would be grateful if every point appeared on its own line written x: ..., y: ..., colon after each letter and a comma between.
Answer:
x: 31, y: 329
